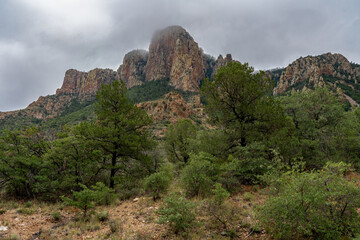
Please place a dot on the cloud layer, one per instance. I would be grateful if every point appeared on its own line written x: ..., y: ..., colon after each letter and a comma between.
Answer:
x: 40, y: 39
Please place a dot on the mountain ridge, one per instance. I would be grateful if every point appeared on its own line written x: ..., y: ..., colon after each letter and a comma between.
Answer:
x: 174, y: 56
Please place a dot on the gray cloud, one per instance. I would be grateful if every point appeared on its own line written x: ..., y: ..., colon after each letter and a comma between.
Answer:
x: 40, y: 39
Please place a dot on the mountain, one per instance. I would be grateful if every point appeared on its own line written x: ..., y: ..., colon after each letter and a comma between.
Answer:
x: 175, y: 63
x: 332, y: 70
x: 173, y: 55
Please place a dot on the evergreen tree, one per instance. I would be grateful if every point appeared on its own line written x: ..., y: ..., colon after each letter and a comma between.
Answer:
x: 120, y: 130
x: 178, y: 140
x: 239, y: 101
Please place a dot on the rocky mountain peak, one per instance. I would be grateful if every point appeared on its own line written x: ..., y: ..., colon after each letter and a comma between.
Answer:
x: 85, y: 83
x: 132, y: 71
x: 329, y: 69
x: 174, y: 54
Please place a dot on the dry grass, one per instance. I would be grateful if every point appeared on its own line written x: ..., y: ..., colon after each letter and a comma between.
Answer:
x: 127, y: 220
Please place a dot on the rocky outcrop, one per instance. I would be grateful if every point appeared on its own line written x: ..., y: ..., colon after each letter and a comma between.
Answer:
x: 77, y: 87
x: 174, y: 54
x: 173, y: 107
x: 209, y: 63
x: 220, y: 62
x: 85, y: 83
x: 132, y: 71
x: 332, y: 70
x: 311, y: 71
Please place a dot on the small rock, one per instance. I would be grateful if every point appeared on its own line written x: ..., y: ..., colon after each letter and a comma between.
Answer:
x: 4, y: 228
x: 136, y: 199
x: 223, y: 233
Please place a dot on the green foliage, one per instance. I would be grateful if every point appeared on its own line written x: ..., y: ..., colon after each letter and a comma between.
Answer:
x: 87, y: 198
x: 178, y: 141
x: 153, y: 90
x: 220, y: 194
x: 149, y: 91
x: 199, y: 175
x: 103, y: 194
x: 21, y: 162
x: 319, y: 120
x: 103, y: 216
x: 120, y: 132
x: 318, y: 205
x: 211, y: 141
x: 159, y: 182
x: 178, y: 212
x: 83, y: 112
x: 56, y: 216
x: 83, y: 199
x: 239, y: 101
x: 75, y: 161
x: 250, y: 163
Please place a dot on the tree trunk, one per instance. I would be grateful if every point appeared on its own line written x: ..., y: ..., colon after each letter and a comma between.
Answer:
x: 112, y: 171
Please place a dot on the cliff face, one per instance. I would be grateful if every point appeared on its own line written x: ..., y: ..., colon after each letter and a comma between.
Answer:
x: 220, y: 62
x: 85, y: 83
x: 312, y: 70
x: 173, y: 107
x: 77, y: 86
x: 329, y: 69
x: 174, y: 54
x: 132, y: 71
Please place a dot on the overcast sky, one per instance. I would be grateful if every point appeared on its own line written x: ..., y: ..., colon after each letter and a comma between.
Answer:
x: 41, y: 39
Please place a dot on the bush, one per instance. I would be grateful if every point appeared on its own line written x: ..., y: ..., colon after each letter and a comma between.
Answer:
x: 199, y: 175
x: 83, y: 200
x: 87, y: 198
x: 56, y: 216
x: 220, y: 194
x: 114, y: 225
x: 103, y: 195
x: 103, y: 216
x: 159, y: 182
x: 178, y: 212
x: 317, y: 205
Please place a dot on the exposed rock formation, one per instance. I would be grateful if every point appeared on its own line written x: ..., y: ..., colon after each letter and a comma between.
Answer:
x: 82, y: 83
x: 77, y: 86
x: 209, y: 63
x: 173, y: 107
x: 332, y: 70
x: 174, y: 54
x: 132, y: 71
x: 220, y: 62
x: 313, y: 69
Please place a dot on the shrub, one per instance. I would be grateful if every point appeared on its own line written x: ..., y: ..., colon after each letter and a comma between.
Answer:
x: 158, y: 183
x: 178, y: 212
x: 220, y: 194
x: 87, y: 198
x: 103, y: 195
x: 199, y: 175
x: 114, y: 225
x: 56, y: 216
x: 248, y: 196
x: 223, y: 213
x: 317, y: 204
x: 103, y: 216
x: 83, y: 200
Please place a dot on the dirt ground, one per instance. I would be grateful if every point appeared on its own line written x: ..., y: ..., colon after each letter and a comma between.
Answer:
x: 132, y: 219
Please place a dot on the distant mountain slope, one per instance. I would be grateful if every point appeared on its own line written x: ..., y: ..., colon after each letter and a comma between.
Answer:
x: 332, y: 70
x: 174, y: 62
